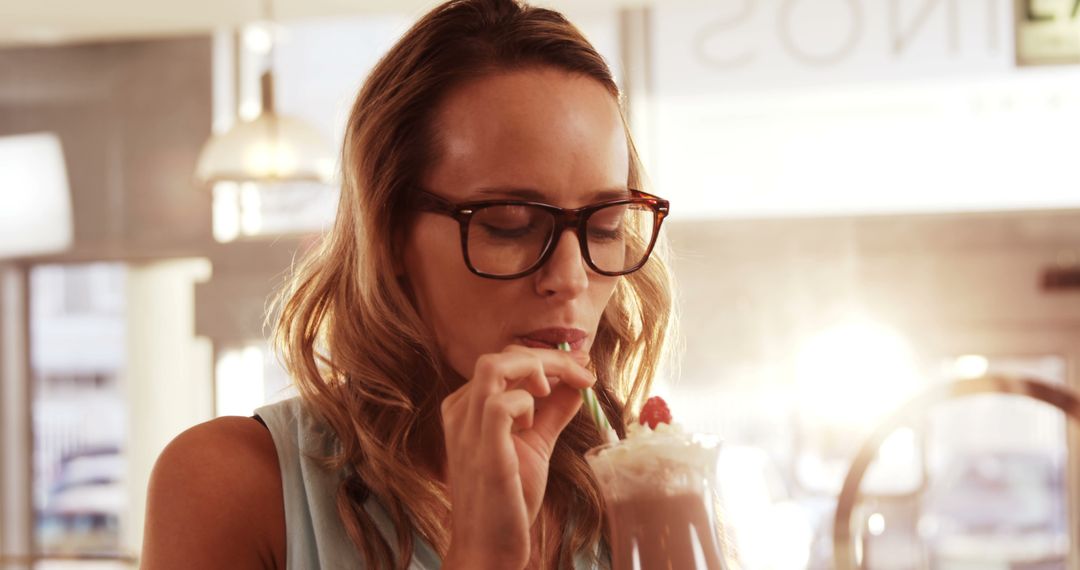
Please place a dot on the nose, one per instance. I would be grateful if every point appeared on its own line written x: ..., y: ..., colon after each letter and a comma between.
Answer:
x: 565, y: 274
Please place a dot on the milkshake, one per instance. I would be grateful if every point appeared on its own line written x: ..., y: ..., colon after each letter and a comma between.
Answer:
x: 658, y: 489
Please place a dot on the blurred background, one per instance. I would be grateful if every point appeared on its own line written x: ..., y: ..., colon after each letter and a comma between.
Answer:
x: 871, y: 199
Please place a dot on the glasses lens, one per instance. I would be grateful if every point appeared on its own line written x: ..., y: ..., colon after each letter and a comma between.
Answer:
x: 504, y: 240
x: 619, y: 236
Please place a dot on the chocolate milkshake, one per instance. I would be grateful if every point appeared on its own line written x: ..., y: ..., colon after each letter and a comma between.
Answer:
x: 658, y: 489
x: 673, y: 532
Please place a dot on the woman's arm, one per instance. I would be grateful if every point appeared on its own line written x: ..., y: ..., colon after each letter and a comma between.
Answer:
x: 215, y: 500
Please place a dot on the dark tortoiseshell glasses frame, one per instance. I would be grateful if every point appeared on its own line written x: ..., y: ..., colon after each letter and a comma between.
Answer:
x: 564, y: 219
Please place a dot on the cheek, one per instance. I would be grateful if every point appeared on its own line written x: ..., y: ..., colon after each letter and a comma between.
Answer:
x: 462, y: 310
x: 429, y: 268
x: 602, y: 291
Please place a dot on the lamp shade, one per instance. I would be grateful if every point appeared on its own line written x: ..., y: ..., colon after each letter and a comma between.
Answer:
x: 35, y: 201
x: 271, y: 148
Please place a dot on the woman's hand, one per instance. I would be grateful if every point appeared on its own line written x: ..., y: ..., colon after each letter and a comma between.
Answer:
x: 501, y: 428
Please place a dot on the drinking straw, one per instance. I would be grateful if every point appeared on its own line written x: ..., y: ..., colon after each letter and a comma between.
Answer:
x: 593, y: 405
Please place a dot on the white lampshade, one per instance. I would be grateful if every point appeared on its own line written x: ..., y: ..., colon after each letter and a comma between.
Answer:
x: 35, y: 201
x: 271, y: 148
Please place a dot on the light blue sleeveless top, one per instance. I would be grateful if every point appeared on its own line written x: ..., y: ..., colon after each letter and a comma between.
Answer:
x: 315, y: 537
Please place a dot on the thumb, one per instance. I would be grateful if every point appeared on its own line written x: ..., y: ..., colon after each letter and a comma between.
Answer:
x: 554, y: 412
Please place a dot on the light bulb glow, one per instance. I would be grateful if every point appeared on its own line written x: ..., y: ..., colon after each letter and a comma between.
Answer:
x: 854, y: 373
x: 258, y: 39
x: 971, y: 366
x: 270, y: 159
x: 876, y: 524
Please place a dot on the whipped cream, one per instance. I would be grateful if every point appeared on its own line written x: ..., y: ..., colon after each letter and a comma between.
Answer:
x: 666, y: 461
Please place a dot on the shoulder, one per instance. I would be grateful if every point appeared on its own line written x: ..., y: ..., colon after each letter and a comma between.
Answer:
x: 236, y: 446
x: 215, y: 499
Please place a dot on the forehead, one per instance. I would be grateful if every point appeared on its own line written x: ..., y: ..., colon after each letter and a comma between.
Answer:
x: 553, y: 135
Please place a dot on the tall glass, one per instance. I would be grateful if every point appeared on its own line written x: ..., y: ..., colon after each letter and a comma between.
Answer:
x: 659, y: 490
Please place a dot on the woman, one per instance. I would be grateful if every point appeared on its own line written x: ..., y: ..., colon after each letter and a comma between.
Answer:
x: 490, y: 210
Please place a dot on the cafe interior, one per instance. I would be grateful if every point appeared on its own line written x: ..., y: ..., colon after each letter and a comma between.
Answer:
x: 874, y: 237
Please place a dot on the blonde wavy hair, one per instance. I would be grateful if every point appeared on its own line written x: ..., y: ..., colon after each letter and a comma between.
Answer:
x: 363, y: 359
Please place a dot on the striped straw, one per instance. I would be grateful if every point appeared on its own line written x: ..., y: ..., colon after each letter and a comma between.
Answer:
x: 591, y: 404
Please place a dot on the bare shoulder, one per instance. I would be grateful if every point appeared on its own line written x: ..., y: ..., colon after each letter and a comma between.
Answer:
x: 215, y: 500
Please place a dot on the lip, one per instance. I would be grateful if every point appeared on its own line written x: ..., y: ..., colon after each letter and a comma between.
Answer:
x: 551, y: 337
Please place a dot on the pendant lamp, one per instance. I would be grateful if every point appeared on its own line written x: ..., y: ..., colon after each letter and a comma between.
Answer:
x: 272, y: 148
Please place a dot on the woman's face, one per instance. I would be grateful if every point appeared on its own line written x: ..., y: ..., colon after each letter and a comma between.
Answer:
x: 542, y: 135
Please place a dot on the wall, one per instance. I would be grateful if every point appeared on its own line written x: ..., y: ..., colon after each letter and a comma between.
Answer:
x: 752, y: 290
x: 131, y: 117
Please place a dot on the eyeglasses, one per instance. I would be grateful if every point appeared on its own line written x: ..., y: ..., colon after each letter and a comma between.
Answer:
x: 509, y: 239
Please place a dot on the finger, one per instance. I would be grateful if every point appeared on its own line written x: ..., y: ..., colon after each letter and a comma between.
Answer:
x: 508, y: 411
x: 566, y: 366
x: 579, y: 356
x: 556, y: 411
x: 495, y: 373
x: 520, y: 368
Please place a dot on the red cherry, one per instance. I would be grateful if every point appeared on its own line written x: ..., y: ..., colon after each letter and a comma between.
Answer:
x: 654, y: 412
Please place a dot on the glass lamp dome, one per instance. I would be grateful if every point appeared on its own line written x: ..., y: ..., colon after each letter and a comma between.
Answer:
x: 270, y: 148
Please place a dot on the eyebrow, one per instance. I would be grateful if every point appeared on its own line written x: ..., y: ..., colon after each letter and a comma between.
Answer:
x: 535, y: 195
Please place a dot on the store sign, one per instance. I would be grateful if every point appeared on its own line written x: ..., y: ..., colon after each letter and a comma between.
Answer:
x: 1047, y: 32
x: 852, y: 107
x: 746, y: 45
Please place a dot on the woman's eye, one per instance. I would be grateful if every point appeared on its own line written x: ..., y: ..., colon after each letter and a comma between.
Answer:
x: 607, y: 224
x: 508, y: 222
x: 605, y: 234
x: 504, y: 231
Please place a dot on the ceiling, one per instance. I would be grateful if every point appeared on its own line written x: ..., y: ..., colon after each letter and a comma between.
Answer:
x: 46, y: 22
